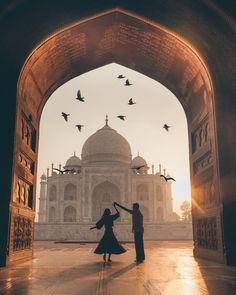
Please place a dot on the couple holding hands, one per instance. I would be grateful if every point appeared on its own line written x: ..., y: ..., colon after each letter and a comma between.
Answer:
x: 109, y: 244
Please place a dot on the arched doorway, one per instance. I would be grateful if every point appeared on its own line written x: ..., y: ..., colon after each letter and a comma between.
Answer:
x: 103, y: 196
x: 127, y: 39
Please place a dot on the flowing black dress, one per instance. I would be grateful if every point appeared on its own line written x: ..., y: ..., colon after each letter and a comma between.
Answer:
x: 108, y: 243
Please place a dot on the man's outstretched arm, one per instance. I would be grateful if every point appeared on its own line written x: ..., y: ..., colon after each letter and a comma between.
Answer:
x: 124, y: 208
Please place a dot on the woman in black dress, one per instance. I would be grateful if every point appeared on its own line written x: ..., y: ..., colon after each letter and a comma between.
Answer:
x: 108, y: 244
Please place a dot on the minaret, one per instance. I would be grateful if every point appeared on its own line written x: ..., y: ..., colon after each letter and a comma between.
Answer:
x: 42, y: 199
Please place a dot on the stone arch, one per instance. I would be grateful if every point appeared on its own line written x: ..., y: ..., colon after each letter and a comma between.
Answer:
x: 142, y: 192
x: 53, y: 193
x: 169, y: 59
x: 103, y: 196
x: 70, y: 192
x: 52, y: 214
x: 69, y: 214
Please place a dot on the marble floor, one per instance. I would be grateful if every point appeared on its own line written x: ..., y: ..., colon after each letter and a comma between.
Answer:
x: 169, y: 268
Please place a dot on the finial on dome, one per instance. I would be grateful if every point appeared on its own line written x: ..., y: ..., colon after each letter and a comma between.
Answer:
x: 106, y: 120
x: 138, y: 153
x: 74, y: 154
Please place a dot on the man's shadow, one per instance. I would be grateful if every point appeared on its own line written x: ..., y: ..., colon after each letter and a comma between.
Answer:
x: 119, y: 273
x: 102, y: 283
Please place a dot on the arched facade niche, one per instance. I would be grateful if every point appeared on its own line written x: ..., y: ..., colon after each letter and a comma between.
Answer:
x: 70, y: 214
x: 53, y: 193
x: 70, y: 192
x: 103, y: 196
x: 144, y: 210
x: 52, y: 214
x: 142, y: 192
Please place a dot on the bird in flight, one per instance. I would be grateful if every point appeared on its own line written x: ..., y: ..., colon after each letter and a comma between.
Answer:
x: 131, y: 101
x: 121, y: 77
x: 127, y: 83
x: 79, y: 97
x: 65, y: 116
x: 79, y: 127
x: 167, y: 177
x: 138, y: 167
x: 166, y: 127
x: 121, y: 117
x: 62, y: 171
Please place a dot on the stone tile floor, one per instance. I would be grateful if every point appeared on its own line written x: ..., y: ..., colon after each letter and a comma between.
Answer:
x: 169, y: 268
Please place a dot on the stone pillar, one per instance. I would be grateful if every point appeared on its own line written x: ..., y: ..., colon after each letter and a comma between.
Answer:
x: 42, y: 199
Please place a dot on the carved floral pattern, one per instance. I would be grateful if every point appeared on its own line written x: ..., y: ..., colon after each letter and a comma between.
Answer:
x: 207, y: 233
x: 23, y: 233
x: 200, y: 136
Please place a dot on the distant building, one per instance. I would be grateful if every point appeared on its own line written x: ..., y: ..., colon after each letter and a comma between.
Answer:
x: 71, y: 202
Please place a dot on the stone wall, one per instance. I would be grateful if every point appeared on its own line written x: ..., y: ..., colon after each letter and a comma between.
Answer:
x: 81, y: 232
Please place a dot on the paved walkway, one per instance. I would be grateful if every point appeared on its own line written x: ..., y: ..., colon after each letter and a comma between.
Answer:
x: 169, y: 269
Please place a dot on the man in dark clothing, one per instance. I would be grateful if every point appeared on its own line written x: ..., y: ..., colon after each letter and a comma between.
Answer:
x: 137, y: 228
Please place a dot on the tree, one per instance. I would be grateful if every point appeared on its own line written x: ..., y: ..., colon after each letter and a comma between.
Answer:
x: 174, y: 217
x: 186, y: 211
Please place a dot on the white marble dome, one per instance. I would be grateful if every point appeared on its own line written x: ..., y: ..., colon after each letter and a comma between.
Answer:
x: 106, y: 145
x: 138, y: 161
x: 73, y: 161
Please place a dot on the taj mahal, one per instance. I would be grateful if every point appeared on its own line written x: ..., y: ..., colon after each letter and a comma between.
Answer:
x: 72, y: 201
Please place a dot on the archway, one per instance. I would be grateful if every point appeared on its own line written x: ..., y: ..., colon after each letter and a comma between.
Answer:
x: 52, y: 214
x: 168, y: 59
x: 70, y: 192
x: 103, y: 196
x: 69, y: 214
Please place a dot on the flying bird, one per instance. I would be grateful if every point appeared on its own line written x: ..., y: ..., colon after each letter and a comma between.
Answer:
x: 138, y: 167
x: 121, y: 117
x: 167, y: 177
x: 121, y: 77
x: 127, y: 83
x: 79, y: 97
x: 62, y: 171
x: 131, y: 101
x: 79, y: 127
x: 65, y: 116
x: 166, y: 127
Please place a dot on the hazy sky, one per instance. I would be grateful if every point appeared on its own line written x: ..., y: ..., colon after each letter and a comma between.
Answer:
x: 104, y: 93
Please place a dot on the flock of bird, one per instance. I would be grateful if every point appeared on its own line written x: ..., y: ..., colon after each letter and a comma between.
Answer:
x: 80, y: 98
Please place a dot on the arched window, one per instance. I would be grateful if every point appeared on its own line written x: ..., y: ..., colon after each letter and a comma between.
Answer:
x: 142, y: 192
x: 145, y: 213
x: 160, y: 214
x: 53, y: 193
x: 52, y: 214
x: 70, y: 192
x: 159, y: 193
x: 70, y: 214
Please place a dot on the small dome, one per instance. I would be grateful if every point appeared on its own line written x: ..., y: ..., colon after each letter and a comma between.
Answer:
x: 73, y: 161
x: 43, y: 177
x: 106, y: 145
x: 138, y: 161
